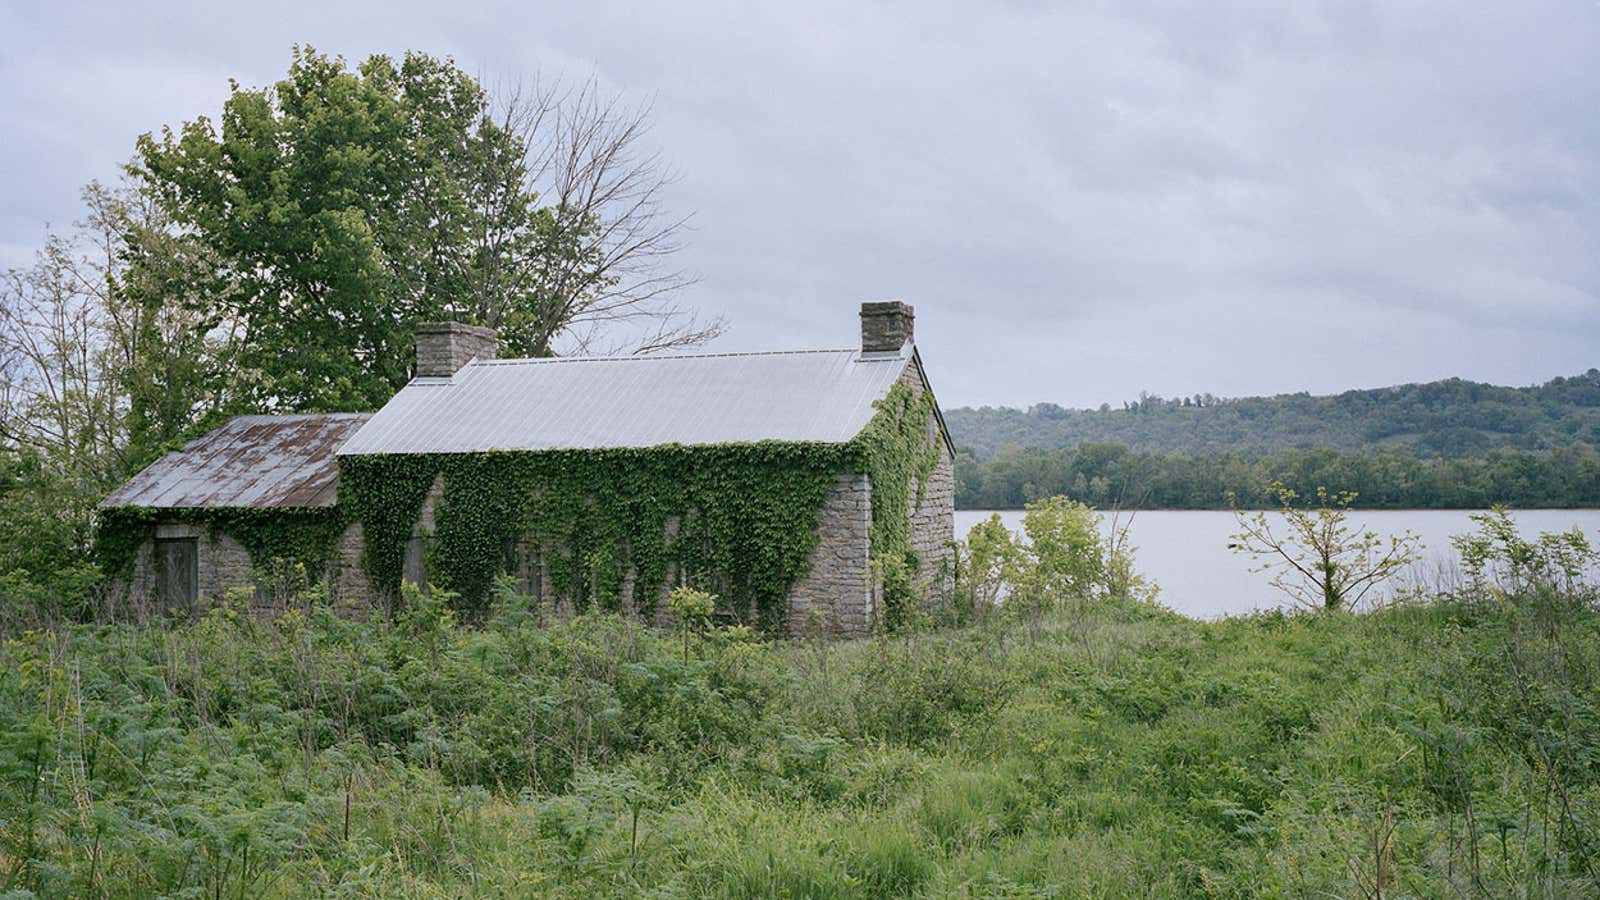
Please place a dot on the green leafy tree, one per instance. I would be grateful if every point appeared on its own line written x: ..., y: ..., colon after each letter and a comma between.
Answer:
x: 344, y: 206
x: 338, y: 201
x: 45, y: 575
x: 1067, y: 551
x: 691, y: 611
x: 989, y: 560
x: 1066, y: 560
x: 1450, y: 418
x: 100, y: 370
x: 1316, y: 555
x: 1386, y: 478
x: 175, y: 336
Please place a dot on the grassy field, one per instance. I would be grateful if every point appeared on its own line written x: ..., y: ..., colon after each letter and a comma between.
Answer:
x: 1437, y: 749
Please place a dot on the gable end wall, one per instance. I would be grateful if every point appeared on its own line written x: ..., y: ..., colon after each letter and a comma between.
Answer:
x: 933, y: 520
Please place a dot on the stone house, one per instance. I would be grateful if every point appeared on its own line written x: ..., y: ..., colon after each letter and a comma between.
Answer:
x: 466, y: 405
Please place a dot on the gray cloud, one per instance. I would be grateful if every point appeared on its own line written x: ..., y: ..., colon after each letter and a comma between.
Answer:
x: 1083, y: 202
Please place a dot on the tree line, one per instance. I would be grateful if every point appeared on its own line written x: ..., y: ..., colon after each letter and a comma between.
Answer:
x: 1107, y: 475
x: 1447, y: 418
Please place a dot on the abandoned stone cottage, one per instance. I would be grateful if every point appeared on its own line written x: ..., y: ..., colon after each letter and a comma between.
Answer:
x: 798, y: 486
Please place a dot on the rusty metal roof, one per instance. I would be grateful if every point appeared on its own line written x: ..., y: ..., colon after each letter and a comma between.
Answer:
x: 638, y: 401
x: 252, y: 461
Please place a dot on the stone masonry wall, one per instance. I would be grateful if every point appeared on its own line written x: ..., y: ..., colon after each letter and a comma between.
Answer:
x: 933, y: 513
x: 837, y: 585
x: 933, y: 527
x: 220, y: 563
x: 886, y: 327
x: 837, y: 589
x: 353, y: 593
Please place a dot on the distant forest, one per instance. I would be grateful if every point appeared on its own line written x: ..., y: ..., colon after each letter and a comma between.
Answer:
x: 1446, y: 444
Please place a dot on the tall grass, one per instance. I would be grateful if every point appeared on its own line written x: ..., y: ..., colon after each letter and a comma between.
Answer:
x: 1446, y: 747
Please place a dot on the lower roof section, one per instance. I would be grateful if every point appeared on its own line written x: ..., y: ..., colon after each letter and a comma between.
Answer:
x: 252, y: 461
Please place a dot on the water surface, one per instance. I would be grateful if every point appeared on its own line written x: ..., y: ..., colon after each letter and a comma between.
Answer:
x: 1186, y: 551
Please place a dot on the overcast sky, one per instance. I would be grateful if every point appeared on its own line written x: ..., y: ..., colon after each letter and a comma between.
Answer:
x: 1083, y: 202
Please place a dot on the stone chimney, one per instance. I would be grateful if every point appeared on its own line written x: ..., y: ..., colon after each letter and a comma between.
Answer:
x: 444, y: 347
x: 885, y: 327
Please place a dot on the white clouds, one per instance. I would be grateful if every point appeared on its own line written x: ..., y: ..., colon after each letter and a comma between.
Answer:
x: 1082, y: 202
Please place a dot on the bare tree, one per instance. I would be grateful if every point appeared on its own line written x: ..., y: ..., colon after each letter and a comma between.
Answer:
x: 592, y: 260
x: 1320, y: 560
x: 57, y: 396
x: 93, y: 332
x: 61, y: 415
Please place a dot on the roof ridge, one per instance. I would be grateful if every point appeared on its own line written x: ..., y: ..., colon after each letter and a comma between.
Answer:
x: 279, y: 417
x: 649, y: 358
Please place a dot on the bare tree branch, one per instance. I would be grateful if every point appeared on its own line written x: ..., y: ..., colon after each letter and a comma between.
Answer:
x: 599, y: 266
x: 77, y: 341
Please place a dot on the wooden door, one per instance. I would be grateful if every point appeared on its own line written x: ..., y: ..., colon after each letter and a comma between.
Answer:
x: 177, y: 563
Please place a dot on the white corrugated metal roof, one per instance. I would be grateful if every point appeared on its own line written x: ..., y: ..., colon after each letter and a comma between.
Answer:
x: 638, y: 401
x: 252, y: 461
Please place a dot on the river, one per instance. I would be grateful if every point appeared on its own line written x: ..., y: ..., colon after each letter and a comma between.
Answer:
x: 1186, y: 551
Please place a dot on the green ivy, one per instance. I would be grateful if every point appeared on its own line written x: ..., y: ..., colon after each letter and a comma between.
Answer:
x: 746, y: 516
x: 897, y: 455
x: 385, y: 494
x: 306, y: 534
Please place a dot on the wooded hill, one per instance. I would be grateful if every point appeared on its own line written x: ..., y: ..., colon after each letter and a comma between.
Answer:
x: 1451, y: 418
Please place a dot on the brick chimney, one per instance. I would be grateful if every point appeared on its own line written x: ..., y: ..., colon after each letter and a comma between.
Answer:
x: 444, y: 347
x: 885, y: 327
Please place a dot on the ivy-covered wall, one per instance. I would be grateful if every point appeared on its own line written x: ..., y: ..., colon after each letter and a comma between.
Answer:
x: 616, y: 528
x: 236, y: 548
x: 736, y: 519
x: 306, y: 534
